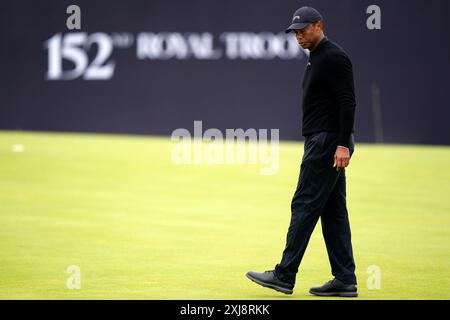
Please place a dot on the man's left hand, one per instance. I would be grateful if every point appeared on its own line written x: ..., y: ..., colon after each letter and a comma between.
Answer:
x: 341, y: 158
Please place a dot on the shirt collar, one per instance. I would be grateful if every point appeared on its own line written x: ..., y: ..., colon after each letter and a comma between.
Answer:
x: 320, y: 45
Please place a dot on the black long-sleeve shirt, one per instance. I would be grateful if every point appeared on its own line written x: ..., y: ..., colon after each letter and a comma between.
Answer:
x: 328, y: 92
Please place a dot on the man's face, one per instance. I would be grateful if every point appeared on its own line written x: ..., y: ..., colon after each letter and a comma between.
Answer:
x: 309, y: 35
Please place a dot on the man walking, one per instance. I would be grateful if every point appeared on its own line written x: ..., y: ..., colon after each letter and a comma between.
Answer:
x: 328, y: 117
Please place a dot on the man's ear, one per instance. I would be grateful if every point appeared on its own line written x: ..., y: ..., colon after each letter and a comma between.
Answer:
x: 320, y: 23
x: 316, y: 26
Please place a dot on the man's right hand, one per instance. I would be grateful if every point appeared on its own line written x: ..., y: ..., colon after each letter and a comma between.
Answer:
x: 341, y: 158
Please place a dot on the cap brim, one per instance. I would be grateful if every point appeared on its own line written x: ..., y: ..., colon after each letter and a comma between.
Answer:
x: 296, y: 26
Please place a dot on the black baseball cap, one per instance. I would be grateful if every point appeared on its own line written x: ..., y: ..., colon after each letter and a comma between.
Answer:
x: 303, y: 17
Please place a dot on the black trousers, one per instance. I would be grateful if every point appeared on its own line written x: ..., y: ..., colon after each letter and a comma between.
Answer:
x: 321, y: 192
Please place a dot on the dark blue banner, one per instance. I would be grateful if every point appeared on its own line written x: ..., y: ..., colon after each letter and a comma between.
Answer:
x: 150, y: 67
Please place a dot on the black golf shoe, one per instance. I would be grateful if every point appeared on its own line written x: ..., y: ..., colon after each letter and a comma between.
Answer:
x: 335, y: 287
x: 268, y: 279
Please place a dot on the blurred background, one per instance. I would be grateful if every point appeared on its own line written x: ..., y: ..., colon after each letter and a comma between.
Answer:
x: 148, y: 67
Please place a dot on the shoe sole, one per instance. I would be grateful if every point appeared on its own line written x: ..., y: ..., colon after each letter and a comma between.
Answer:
x: 335, y: 294
x: 270, y: 286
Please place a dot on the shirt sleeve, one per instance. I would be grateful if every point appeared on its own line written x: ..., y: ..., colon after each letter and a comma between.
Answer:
x: 340, y: 80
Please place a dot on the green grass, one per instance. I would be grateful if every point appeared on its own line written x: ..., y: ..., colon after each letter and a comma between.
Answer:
x: 141, y: 227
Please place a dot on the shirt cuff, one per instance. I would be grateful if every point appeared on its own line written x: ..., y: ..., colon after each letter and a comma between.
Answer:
x: 344, y: 141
